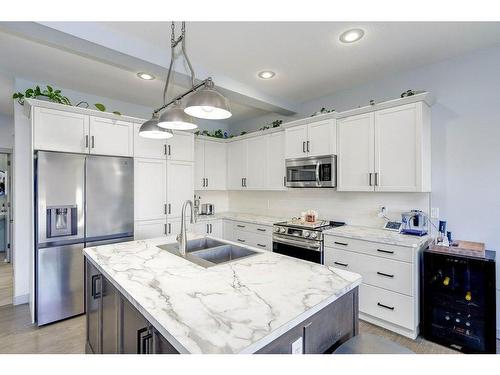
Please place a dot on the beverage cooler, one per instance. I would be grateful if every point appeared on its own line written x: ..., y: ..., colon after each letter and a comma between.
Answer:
x: 458, y: 301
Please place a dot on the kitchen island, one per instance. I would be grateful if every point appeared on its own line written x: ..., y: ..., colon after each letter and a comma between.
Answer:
x: 144, y: 299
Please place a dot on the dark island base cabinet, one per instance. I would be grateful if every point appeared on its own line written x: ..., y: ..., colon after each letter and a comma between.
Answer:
x: 324, y: 331
x: 114, y: 326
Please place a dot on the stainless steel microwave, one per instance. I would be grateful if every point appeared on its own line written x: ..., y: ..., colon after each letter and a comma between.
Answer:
x: 312, y: 172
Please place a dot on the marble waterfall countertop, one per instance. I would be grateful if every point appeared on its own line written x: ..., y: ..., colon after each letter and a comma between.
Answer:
x: 237, y: 307
x: 247, y: 218
x: 378, y: 235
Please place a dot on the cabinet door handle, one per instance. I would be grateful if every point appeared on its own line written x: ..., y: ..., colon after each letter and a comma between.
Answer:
x: 340, y: 243
x: 241, y: 226
x: 385, y: 306
x: 207, y: 182
x: 376, y: 178
x: 370, y: 183
x: 95, y: 294
x: 165, y: 228
x: 169, y: 151
x: 242, y: 182
x: 210, y: 228
x: 385, y: 251
x: 303, y: 147
x: 144, y: 337
x: 165, y: 149
x: 261, y: 230
x: 307, y: 146
x: 93, y: 142
x: 341, y: 264
x: 169, y: 208
x: 165, y: 208
x: 86, y: 141
x: 284, y: 180
x: 169, y: 228
x: 385, y: 274
x: 208, y: 231
x: 203, y: 182
x: 240, y: 240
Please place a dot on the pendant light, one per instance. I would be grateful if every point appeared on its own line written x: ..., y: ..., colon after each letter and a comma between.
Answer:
x: 150, y: 129
x: 208, y: 103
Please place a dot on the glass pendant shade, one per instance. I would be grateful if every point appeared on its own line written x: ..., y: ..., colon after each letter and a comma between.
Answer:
x: 175, y: 118
x: 150, y: 129
x: 208, y: 103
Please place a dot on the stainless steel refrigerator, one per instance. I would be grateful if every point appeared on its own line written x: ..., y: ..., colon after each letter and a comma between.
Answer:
x: 81, y: 201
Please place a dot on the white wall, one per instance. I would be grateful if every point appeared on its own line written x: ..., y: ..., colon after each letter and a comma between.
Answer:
x: 6, y: 132
x: 219, y: 198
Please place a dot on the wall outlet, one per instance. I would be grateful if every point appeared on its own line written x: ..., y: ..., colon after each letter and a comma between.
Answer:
x: 297, y: 346
x: 382, y: 211
x: 434, y: 212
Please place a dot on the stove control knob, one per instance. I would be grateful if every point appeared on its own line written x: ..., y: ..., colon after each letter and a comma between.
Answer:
x: 314, y: 235
x: 306, y: 233
x: 282, y: 230
x: 277, y: 229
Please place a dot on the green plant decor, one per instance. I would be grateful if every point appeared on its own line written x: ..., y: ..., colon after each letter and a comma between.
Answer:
x: 52, y: 95
x: 273, y: 124
x: 49, y: 93
x: 219, y: 133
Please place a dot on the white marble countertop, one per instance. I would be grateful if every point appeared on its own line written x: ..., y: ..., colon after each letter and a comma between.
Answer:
x: 247, y: 218
x: 237, y: 307
x: 377, y: 235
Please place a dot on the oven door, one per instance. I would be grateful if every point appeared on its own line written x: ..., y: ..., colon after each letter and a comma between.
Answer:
x: 311, y: 251
x: 311, y: 172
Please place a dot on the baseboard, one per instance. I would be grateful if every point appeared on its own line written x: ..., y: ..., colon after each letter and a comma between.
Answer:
x: 22, y: 299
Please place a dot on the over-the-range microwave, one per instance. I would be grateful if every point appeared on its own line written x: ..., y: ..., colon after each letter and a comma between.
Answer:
x: 312, y: 172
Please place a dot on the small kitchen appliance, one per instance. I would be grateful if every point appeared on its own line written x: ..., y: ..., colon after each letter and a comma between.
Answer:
x: 303, y: 240
x: 414, y: 223
x: 207, y: 209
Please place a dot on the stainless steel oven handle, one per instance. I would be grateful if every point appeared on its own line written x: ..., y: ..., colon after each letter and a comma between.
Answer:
x: 298, y: 243
x: 318, y: 182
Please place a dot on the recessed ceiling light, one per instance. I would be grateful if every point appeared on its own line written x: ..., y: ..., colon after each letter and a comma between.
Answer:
x: 351, y: 36
x: 266, y: 74
x: 145, y: 76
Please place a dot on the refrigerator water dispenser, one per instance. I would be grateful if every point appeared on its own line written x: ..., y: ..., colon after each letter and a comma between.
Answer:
x: 61, y: 221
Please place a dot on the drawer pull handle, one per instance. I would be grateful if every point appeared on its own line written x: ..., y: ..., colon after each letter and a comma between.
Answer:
x: 385, y: 274
x: 261, y: 230
x: 241, y: 226
x: 240, y: 240
x: 385, y: 251
x: 260, y: 245
x: 341, y: 264
x: 385, y: 306
x: 341, y: 243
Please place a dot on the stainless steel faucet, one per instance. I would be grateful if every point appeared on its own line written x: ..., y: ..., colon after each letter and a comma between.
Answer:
x: 182, y: 237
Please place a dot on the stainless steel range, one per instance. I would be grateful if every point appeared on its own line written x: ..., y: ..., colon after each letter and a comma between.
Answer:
x: 302, y: 240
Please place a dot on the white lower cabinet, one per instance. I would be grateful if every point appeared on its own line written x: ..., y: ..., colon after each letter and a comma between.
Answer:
x: 211, y: 227
x: 149, y: 229
x: 389, y: 294
x: 255, y: 235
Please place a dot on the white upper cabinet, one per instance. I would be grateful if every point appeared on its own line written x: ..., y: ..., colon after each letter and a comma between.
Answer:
x: 321, y: 138
x: 181, y: 146
x: 150, y: 189
x: 386, y: 150
x: 295, y: 141
x: 147, y: 147
x: 276, y: 161
x: 402, y: 148
x: 256, y: 176
x: 313, y: 139
x: 237, y: 164
x: 210, y: 165
x: 63, y: 131
x: 355, y: 159
x: 180, y: 185
x: 111, y: 137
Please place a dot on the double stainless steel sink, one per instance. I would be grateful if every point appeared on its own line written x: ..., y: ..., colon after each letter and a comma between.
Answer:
x: 207, y: 252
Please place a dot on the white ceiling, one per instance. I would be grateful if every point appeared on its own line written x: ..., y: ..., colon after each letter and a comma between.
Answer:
x: 307, y: 57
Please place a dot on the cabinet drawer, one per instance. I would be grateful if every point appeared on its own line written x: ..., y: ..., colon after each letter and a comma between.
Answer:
x: 384, y: 273
x: 390, y: 306
x: 254, y: 228
x: 253, y: 239
x: 404, y: 254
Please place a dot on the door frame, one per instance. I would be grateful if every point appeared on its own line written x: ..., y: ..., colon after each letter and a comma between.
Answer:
x: 9, y: 191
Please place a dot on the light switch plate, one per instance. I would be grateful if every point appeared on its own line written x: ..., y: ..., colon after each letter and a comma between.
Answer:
x: 297, y: 346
